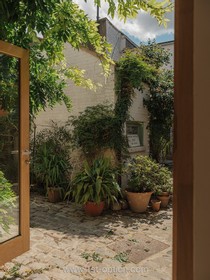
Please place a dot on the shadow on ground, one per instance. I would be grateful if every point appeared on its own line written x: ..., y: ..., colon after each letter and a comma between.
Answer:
x: 70, y: 219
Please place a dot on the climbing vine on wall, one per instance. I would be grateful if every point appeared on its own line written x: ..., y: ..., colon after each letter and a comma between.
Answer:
x: 131, y: 72
x: 160, y: 107
x: 144, y: 66
x: 100, y: 127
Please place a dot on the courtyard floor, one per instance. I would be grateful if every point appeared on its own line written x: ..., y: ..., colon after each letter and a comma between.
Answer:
x: 66, y: 244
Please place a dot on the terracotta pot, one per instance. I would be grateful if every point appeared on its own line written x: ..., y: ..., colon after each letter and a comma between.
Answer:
x: 94, y: 209
x: 164, y: 200
x: 164, y: 193
x: 155, y: 204
x: 138, y: 202
x: 54, y: 195
x: 3, y: 113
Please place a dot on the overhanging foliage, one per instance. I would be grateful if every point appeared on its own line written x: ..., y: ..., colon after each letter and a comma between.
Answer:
x: 59, y: 22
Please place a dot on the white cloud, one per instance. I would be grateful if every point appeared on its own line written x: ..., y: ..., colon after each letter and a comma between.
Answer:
x: 142, y: 28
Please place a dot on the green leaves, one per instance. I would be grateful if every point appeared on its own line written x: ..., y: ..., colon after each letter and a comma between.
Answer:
x: 130, y: 8
x: 96, y: 183
x: 135, y: 69
x: 51, y: 161
x: 95, y: 129
x: 7, y: 203
x: 124, y: 9
x: 57, y: 23
x: 144, y: 175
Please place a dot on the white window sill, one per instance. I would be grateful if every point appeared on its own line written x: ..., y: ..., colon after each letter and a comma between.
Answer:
x: 136, y: 149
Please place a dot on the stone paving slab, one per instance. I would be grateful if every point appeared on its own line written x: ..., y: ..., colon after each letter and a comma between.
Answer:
x: 139, y: 247
x: 66, y: 244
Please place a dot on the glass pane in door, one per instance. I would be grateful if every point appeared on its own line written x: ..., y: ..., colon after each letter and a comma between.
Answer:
x: 9, y: 148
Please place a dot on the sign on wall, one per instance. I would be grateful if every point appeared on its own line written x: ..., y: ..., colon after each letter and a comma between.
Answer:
x: 133, y: 140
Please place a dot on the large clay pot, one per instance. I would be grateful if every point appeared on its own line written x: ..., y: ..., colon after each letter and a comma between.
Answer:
x: 138, y: 202
x: 94, y: 209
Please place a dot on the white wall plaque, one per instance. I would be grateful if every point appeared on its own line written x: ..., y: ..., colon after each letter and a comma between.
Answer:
x: 133, y: 140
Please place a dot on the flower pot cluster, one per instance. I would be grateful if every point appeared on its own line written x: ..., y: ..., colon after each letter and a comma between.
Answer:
x: 146, y: 177
x: 96, y: 187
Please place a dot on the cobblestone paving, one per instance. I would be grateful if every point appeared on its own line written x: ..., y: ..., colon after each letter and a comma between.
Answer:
x: 66, y: 244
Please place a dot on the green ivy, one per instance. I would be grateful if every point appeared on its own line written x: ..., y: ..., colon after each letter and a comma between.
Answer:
x: 139, y: 67
x: 101, y: 127
x: 131, y: 73
x: 160, y: 105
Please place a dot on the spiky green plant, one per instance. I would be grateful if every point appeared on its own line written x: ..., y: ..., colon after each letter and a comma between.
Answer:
x: 96, y: 182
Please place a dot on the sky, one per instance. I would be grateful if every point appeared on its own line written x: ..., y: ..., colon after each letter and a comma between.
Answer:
x: 141, y: 29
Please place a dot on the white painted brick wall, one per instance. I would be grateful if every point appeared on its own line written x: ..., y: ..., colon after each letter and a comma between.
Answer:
x: 81, y: 98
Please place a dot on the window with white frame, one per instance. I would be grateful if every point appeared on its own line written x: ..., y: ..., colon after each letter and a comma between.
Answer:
x: 135, y: 134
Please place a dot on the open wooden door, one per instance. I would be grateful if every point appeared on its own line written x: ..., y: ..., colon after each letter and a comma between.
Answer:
x: 14, y: 151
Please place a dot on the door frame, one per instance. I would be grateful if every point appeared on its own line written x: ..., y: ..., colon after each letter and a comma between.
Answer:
x: 183, y: 236
x: 20, y: 244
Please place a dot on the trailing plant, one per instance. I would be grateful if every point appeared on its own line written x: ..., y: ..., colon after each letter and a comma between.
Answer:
x: 131, y: 73
x: 51, y: 159
x: 96, y: 182
x: 7, y: 204
x: 100, y: 127
x: 135, y: 69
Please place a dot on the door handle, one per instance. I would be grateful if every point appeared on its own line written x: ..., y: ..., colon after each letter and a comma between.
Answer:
x: 26, y: 152
x: 15, y: 152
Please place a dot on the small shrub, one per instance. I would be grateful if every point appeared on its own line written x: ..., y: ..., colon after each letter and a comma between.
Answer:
x: 51, y: 158
x: 96, y: 129
x: 144, y: 175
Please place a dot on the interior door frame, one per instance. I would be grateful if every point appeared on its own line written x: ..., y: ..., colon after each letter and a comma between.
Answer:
x: 183, y: 213
x: 20, y: 244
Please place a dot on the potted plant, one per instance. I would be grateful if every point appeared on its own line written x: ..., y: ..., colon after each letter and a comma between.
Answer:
x: 142, y: 173
x: 94, y: 185
x: 51, y: 162
x: 164, y: 185
x: 163, y: 193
